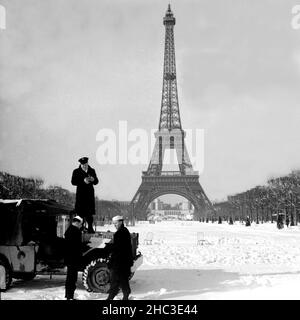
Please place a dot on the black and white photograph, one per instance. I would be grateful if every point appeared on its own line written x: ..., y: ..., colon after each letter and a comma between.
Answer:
x: 149, y: 150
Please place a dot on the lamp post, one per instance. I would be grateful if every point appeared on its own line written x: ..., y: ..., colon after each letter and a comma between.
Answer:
x: 291, y: 208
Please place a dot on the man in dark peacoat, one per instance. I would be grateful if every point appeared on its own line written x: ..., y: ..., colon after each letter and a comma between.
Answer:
x: 84, y: 177
x: 121, y: 260
x: 73, y: 255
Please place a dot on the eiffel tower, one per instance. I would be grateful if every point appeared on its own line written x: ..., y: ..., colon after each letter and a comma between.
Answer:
x: 170, y: 135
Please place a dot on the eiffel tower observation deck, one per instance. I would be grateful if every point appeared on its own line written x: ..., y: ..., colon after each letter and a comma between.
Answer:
x: 170, y: 136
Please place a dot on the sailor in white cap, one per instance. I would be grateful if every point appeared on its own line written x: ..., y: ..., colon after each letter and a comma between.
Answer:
x: 121, y: 260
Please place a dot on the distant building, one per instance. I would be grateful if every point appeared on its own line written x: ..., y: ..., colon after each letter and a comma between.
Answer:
x: 165, y: 211
x: 174, y: 215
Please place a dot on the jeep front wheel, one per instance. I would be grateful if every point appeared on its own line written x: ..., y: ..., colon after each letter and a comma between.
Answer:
x: 8, y: 275
x: 96, y: 276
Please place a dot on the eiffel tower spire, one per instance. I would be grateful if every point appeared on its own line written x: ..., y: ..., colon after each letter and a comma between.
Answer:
x: 169, y: 114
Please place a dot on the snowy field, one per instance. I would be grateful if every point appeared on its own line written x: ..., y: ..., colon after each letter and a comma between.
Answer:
x: 234, y: 262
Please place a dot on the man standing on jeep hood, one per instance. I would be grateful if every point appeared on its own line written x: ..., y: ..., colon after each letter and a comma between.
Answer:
x: 84, y: 177
x: 73, y: 255
x: 121, y: 260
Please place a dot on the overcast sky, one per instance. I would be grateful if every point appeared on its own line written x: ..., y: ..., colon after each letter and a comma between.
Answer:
x: 69, y: 68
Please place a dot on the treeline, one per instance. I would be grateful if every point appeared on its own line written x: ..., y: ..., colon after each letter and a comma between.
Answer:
x: 281, y: 196
x: 16, y: 187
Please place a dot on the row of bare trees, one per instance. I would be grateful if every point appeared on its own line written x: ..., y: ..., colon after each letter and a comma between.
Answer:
x: 16, y: 187
x: 281, y: 196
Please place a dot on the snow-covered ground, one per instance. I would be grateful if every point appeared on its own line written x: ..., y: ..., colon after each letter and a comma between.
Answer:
x: 234, y: 262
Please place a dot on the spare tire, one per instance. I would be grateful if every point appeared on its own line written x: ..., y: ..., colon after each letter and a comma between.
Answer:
x: 8, y: 274
x: 96, y: 276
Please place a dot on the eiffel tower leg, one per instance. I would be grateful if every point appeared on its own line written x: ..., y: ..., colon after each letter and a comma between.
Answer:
x: 139, y: 209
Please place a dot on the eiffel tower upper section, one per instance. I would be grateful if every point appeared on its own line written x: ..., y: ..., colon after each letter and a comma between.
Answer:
x: 170, y: 134
x: 169, y: 115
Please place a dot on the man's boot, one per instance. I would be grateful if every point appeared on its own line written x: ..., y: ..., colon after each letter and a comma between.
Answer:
x: 89, y: 221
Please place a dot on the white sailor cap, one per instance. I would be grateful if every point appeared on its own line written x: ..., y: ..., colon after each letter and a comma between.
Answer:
x: 117, y: 218
x: 77, y: 219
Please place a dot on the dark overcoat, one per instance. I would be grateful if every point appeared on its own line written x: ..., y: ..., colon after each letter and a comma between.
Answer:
x: 85, y: 194
x: 73, y: 246
x: 121, y: 258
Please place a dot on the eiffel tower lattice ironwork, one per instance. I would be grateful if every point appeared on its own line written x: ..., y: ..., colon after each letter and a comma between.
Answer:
x: 170, y: 135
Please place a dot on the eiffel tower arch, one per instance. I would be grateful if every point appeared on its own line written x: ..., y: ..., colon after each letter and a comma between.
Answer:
x: 188, y: 187
x: 170, y: 136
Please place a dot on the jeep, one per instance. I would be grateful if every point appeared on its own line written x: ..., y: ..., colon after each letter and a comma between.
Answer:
x: 32, y: 243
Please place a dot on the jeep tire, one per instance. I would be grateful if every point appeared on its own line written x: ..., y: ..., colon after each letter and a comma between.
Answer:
x: 96, y: 276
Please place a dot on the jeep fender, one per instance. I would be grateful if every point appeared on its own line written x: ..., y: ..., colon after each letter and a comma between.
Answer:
x: 93, y: 254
